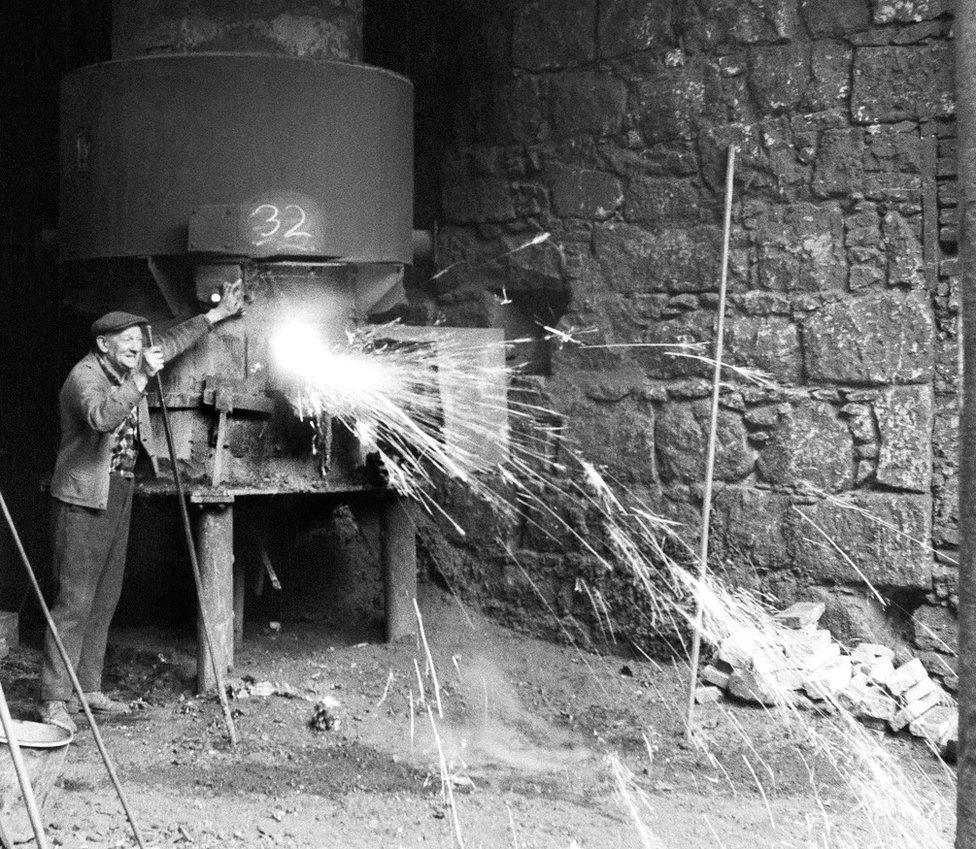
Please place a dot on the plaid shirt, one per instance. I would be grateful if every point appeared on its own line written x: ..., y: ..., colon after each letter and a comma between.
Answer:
x: 124, y: 450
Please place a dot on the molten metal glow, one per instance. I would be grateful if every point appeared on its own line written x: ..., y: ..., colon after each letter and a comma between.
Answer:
x: 344, y: 376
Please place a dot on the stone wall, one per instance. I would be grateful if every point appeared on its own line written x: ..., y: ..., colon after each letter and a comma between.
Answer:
x: 606, y: 123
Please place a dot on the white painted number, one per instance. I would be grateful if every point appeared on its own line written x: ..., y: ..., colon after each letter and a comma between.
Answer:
x: 269, y: 225
x: 271, y: 219
x: 294, y: 231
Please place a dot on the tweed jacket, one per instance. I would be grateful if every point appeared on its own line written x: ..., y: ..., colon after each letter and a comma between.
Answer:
x: 92, y: 409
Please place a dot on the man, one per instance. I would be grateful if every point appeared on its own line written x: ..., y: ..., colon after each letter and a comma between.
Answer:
x: 91, y: 493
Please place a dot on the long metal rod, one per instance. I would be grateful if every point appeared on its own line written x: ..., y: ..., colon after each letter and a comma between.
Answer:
x: 75, y: 683
x: 195, y: 564
x: 712, y: 439
x: 965, y: 76
x: 23, y: 777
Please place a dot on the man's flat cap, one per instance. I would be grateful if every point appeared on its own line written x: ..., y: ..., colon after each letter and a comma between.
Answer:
x: 113, y: 322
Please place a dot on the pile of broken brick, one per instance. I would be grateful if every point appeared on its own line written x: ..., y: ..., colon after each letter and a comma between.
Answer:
x: 800, y: 664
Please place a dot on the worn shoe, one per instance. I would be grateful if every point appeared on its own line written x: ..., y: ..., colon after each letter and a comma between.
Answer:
x: 99, y: 703
x: 56, y: 713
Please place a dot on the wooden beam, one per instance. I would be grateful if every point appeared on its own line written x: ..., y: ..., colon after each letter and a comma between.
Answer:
x: 215, y: 548
x: 399, y: 535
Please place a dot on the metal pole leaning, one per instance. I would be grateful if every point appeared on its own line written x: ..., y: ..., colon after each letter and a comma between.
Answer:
x: 63, y: 652
x: 23, y: 777
x: 712, y: 439
x: 195, y: 564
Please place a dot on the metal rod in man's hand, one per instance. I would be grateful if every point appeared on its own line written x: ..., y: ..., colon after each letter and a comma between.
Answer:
x: 194, y: 563
x: 75, y: 683
x: 23, y: 777
x: 710, y: 455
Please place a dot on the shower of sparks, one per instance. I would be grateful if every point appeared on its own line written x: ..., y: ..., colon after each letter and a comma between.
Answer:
x: 388, y: 393
x: 386, y: 690
x: 447, y: 785
x: 566, y: 336
x: 845, y: 503
x: 413, y: 719
x: 892, y: 798
x: 635, y: 801
x: 531, y: 243
x: 511, y: 826
x: 431, y: 669
x: 692, y: 351
x: 843, y: 554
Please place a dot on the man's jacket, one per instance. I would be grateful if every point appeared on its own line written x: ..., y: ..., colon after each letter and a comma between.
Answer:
x: 92, y: 409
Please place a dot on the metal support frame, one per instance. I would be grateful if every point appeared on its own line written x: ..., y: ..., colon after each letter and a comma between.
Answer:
x: 224, y: 582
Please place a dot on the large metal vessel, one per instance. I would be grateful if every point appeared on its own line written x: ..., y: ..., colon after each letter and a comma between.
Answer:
x: 242, y: 140
x: 323, y: 149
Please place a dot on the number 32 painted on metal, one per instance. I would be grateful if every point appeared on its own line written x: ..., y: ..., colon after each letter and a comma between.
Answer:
x: 267, y: 229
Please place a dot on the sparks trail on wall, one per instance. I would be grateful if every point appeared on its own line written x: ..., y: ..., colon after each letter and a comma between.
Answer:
x: 570, y: 336
x: 388, y: 392
x: 567, y: 335
x: 845, y: 503
x: 538, y: 239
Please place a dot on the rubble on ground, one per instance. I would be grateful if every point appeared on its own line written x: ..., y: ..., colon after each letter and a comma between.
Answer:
x: 251, y: 688
x: 325, y: 715
x: 803, y: 665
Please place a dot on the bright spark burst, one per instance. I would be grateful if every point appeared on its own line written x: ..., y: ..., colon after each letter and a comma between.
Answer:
x: 387, y: 392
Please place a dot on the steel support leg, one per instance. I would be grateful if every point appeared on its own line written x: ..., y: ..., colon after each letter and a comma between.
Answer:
x: 240, y: 587
x: 400, y: 568
x: 215, y: 547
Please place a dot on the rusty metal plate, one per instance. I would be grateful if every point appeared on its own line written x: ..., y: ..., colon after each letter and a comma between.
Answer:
x: 145, y: 141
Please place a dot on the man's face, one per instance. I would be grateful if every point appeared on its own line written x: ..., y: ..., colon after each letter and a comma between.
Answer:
x: 123, y: 349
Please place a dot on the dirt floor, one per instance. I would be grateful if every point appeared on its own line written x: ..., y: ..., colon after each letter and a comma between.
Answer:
x: 526, y: 734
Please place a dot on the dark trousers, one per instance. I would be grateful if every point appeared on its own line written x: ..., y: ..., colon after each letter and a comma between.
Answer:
x: 88, y: 548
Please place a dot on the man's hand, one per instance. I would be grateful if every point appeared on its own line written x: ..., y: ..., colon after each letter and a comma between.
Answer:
x: 152, y: 361
x: 231, y: 303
